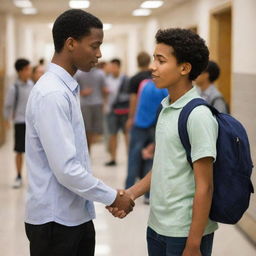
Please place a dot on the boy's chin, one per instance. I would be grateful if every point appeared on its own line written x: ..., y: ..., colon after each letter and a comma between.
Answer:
x: 161, y: 86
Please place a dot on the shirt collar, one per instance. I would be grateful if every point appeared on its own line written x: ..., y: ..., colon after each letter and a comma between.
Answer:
x: 183, y: 100
x: 69, y: 81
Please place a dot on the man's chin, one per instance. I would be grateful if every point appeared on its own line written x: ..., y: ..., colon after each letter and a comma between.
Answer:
x: 85, y: 69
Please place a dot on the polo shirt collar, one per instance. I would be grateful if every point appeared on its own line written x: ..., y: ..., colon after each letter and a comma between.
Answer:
x: 183, y: 100
x: 69, y: 81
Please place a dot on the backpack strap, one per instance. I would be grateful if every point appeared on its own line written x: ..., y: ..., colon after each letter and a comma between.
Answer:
x: 182, y: 123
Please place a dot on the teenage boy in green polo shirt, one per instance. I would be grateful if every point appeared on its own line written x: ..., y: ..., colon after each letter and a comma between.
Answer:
x: 180, y: 197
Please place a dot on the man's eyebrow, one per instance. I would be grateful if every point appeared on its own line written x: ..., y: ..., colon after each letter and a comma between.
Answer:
x: 97, y: 42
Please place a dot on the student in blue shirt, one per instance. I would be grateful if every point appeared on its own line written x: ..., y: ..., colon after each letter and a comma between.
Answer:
x: 62, y: 188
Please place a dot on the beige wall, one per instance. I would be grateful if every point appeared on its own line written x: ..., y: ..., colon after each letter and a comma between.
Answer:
x: 2, y: 77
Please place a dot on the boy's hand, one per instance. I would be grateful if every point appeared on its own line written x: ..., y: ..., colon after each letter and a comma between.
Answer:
x: 192, y: 251
x: 115, y: 211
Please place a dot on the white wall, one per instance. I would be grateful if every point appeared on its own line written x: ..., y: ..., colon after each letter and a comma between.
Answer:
x: 10, y: 46
x: 244, y: 36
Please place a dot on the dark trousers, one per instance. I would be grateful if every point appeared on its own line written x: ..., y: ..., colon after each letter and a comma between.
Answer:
x: 159, y: 245
x: 53, y: 239
x: 137, y: 166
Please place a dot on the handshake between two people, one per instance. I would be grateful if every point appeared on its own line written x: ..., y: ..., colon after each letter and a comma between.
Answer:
x: 123, y: 204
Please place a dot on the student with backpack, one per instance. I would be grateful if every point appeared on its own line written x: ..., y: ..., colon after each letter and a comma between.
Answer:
x: 181, y: 182
x: 208, y: 90
x: 15, y: 108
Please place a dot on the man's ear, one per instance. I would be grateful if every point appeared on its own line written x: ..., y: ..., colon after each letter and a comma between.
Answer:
x: 70, y: 43
x: 185, y: 68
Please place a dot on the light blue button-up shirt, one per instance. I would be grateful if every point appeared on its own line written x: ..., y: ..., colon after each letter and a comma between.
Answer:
x: 61, y: 185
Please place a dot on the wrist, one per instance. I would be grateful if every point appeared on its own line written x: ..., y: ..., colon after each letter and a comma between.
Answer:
x: 193, y: 244
x: 132, y: 192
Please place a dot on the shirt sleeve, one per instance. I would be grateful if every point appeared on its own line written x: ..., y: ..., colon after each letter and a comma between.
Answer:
x: 133, y: 85
x: 54, y: 127
x: 203, y: 132
x: 9, y: 103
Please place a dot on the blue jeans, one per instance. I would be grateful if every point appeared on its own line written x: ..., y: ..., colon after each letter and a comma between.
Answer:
x: 159, y: 245
x: 137, y: 166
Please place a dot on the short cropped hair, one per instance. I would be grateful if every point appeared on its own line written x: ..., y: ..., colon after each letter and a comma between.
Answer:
x: 213, y: 70
x: 73, y: 23
x: 188, y: 47
x: 143, y: 59
x: 20, y: 64
x: 116, y: 61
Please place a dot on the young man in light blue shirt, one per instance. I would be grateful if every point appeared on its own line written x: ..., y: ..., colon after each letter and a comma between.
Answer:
x: 61, y: 191
x: 180, y: 196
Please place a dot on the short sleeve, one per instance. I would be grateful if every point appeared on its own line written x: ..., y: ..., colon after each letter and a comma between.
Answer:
x: 134, y: 85
x: 202, y: 129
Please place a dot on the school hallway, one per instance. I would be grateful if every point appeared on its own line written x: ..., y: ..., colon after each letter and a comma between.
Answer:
x: 114, y: 237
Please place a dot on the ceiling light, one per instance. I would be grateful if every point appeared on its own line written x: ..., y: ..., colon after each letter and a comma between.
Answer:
x: 23, y: 3
x: 152, y: 4
x: 141, y: 12
x: 29, y: 11
x: 76, y: 4
x: 107, y: 26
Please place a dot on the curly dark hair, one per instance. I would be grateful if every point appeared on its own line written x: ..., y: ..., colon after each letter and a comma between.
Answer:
x: 20, y: 64
x: 213, y: 70
x: 188, y: 47
x: 73, y: 23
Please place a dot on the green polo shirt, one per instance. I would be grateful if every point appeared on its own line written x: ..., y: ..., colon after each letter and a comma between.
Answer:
x: 172, y: 185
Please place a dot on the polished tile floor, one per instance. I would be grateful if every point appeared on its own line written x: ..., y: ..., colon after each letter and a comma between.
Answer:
x: 114, y: 237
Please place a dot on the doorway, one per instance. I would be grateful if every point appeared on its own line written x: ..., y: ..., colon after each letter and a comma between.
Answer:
x: 220, y: 47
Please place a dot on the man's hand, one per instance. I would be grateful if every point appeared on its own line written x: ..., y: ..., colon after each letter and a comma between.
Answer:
x: 148, y: 151
x: 192, y: 251
x: 117, y: 211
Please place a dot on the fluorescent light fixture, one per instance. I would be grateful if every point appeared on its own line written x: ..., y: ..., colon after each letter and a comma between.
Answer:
x: 141, y: 12
x: 23, y: 3
x: 152, y: 4
x: 29, y: 11
x: 78, y: 4
x: 107, y: 26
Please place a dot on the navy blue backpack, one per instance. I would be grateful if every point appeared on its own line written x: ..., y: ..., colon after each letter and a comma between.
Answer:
x: 232, y: 168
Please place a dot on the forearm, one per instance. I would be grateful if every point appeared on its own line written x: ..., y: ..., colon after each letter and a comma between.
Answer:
x: 201, y: 208
x: 132, y: 106
x: 141, y: 187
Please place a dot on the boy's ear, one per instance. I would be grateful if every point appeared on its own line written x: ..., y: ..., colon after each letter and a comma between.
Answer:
x: 185, y: 68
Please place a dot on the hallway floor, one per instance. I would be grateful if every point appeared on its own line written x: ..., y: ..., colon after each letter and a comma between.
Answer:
x: 114, y: 237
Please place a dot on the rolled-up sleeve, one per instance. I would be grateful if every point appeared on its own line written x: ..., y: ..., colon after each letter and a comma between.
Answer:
x: 54, y: 126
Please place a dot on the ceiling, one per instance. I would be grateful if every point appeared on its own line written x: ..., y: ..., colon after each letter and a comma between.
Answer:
x: 108, y: 10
